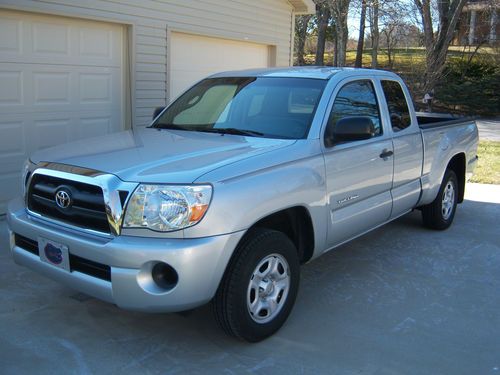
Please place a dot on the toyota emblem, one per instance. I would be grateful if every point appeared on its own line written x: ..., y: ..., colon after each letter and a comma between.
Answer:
x: 63, y: 198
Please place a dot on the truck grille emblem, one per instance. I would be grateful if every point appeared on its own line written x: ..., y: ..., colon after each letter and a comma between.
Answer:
x: 63, y: 198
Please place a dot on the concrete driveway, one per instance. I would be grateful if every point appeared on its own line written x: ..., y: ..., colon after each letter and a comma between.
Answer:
x: 400, y: 300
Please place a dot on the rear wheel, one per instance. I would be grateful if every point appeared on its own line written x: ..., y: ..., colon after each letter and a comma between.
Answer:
x: 259, y: 287
x: 440, y: 213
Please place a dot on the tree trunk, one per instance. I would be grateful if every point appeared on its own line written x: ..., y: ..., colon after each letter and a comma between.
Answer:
x: 374, y: 34
x: 301, y: 25
x: 342, y: 35
x: 323, y: 17
x: 359, y: 51
x: 437, y: 45
x: 339, y: 10
x: 424, y: 7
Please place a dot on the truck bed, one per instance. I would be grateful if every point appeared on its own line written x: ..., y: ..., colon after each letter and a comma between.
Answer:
x: 427, y: 120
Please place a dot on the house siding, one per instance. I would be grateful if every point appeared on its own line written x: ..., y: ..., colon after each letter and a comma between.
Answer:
x: 258, y: 21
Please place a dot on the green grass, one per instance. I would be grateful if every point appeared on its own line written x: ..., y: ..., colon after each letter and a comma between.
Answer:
x: 404, y: 58
x: 488, y: 168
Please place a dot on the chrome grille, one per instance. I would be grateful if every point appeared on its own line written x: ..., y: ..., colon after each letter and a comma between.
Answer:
x: 87, y: 209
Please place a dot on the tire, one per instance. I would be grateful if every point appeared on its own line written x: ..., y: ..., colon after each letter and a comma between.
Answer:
x: 252, y: 283
x: 440, y: 213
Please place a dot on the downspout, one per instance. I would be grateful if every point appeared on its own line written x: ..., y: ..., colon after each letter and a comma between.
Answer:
x: 292, y: 37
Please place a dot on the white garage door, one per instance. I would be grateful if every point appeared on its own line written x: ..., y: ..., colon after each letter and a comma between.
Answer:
x: 61, y: 79
x: 194, y: 57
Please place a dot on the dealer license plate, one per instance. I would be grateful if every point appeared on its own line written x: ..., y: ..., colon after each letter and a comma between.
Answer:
x: 54, y: 253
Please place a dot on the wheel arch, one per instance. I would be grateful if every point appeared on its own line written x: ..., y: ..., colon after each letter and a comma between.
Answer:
x: 296, y: 223
x: 457, y: 165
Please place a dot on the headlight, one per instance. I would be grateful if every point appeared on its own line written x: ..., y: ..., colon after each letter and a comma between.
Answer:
x: 167, y: 207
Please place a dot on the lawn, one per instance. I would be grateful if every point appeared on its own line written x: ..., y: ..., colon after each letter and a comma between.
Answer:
x: 404, y: 58
x: 488, y: 167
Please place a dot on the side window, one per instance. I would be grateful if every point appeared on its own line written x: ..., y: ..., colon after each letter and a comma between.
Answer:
x: 397, y: 105
x: 355, y: 99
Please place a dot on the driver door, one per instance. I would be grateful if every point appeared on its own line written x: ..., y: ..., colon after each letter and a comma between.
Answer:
x: 358, y: 173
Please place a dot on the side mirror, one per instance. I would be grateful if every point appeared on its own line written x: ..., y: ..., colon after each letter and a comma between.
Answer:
x: 157, y: 111
x: 349, y: 129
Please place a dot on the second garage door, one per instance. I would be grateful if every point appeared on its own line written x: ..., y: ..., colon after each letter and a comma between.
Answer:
x: 61, y: 79
x: 193, y: 57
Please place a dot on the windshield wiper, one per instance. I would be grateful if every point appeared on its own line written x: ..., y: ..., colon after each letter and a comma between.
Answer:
x: 233, y: 131
x: 170, y: 126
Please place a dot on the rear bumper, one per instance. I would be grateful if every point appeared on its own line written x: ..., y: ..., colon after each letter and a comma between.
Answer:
x: 199, y: 262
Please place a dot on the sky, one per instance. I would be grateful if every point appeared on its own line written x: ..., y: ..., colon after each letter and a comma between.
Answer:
x: 354, y: 17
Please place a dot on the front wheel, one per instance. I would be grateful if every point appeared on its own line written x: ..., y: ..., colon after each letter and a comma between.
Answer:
x: 259, y: 287
x: 440, y: 213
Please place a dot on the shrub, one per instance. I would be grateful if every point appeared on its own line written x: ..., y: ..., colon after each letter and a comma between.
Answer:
x: 470, y: 87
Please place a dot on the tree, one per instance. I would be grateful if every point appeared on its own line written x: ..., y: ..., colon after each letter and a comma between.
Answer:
x: 394, y: 29
x: 339, y: 10
x: 322, y: 20
x: 396, y: 33
x: 390, y: 38
x: 437, y: 43
x: 361, y: 39
x: 374, y: 32
x: 301, y: 27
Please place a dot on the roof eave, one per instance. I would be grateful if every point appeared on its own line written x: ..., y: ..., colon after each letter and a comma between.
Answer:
x: 303, y: 6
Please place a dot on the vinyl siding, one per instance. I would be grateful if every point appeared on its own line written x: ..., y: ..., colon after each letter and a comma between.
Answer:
x: 260, y: 21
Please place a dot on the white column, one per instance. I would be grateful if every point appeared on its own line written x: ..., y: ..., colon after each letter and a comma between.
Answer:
x: 493, y: 26
x: 472, y: 26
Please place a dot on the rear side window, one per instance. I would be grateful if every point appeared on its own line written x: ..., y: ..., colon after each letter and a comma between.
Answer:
x: 356, y: 99
x: 397, y: 105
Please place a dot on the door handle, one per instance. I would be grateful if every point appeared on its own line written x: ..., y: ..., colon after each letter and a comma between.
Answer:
x: 386, y: 154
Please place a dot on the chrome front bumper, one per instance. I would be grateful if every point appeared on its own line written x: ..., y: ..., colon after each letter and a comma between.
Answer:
x: 199, y: 262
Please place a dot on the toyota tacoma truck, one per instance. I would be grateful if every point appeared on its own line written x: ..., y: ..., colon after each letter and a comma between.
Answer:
x: 237, y: 182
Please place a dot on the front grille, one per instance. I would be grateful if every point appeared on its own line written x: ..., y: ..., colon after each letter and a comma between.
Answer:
x: 87, y: 209
x: 76, y: 263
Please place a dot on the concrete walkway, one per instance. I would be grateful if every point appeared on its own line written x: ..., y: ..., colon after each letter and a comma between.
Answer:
x: 399, y: 300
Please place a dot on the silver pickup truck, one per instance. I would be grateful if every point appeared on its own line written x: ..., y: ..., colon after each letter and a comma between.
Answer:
x: 240, y: 180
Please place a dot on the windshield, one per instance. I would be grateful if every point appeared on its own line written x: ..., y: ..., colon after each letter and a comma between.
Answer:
x: 262, y: 107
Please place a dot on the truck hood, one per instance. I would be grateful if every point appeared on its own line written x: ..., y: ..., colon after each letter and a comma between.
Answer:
x: 159, y: 156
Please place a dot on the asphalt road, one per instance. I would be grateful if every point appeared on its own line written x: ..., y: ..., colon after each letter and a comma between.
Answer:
x: 400, y: 300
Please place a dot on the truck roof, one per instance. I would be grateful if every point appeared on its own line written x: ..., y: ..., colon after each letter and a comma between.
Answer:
x: 315, y: 72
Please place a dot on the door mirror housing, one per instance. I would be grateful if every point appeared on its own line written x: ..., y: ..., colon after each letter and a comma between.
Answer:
x: 157, y: 111
x: 350, y: 129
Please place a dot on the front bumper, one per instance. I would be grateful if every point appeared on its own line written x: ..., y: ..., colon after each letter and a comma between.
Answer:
x: 199, y: 262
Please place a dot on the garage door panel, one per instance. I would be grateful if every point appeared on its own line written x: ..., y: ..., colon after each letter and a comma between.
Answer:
x: 11, y: 83
x: 12, y: 138
x: 50, y: 39
x: 94, y: 126
x: 95, y: 88
x: 51, y: 132
x: 12, y: 145
x: 10, y: 186
x: 96, y: 43
x: 10, y: 35
x: 51, y: 88
x: 61, y: 80
x: 41, y: 39
x: 193, y: 57
x: 31, y: 88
